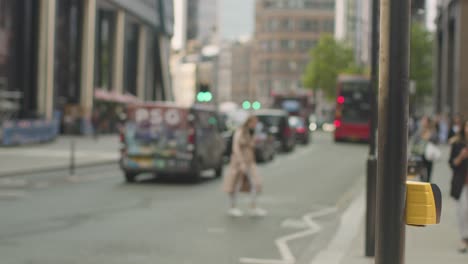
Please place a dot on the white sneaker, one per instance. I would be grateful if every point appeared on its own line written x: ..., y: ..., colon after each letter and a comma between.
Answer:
x: 235, y: 212
x: 258, y: 212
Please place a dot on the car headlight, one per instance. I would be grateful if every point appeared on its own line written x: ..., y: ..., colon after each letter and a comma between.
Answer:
x: 313, y: 126
x: 328, y: 127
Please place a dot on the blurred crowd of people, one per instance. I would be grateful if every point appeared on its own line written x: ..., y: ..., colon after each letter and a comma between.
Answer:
x: 440, y: 127
x: 426, y: 132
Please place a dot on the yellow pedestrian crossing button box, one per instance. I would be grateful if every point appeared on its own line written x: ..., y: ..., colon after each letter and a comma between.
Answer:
x: 423, y: 203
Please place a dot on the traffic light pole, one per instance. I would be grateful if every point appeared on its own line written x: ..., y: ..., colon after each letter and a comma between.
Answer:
x: 392, y: 130
x: 372, y: 158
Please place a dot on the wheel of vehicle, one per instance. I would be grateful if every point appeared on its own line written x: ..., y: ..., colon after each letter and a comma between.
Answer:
x: 195, y: 175
x: 272, y: 156
x: 219, y: 170
x: 261, y: 157
x: 130, y: 177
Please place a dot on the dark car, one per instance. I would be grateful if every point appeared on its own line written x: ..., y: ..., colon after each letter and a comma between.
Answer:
x: 302, y: 131
x: 169, y: 140
x: 264, y: 144
x: 264, y: 141
x: 277, y: 123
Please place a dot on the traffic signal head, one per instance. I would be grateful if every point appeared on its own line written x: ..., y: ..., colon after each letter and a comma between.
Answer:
x: 256, y: 105
x: 204, y: 97
x: 246, y: 105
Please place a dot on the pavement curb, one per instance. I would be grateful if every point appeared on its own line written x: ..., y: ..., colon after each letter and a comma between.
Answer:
x: 56, y: 168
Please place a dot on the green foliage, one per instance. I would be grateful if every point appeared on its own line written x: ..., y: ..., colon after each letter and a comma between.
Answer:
x: 421, y: 59
x: 329, y: 59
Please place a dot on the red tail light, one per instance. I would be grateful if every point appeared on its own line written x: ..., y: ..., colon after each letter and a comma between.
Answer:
x: 191, y: 136
x: 300, y: 130
x: 337, y: 123
x: 340, y: 100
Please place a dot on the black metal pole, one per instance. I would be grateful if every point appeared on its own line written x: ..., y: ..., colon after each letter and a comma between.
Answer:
x: 72, y: 157
x: 372, y: 158
x: 392, y: 130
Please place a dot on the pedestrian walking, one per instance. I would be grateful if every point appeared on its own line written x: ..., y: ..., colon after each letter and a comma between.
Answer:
x: 443, y: 129
x: 459, y: 187
x: 424, y: 145
x: 95, y: 122
x: 242, y: 175
x: 455, y: 125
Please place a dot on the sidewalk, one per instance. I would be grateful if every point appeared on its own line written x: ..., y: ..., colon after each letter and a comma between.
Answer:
x: 56, y: 155
x: 427, y: 245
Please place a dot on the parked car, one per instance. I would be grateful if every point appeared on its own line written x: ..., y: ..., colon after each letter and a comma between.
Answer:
x: 277, y: 123
x: 264, y: 141
x: 302, y: 131
x: 170, y: 140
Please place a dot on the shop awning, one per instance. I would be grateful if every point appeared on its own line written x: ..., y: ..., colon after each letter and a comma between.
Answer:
x: 112, y: 96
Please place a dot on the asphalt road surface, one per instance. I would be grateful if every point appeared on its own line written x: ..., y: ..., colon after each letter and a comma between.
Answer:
x: 96, y: 218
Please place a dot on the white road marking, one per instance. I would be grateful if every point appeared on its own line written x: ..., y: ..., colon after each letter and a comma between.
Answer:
x: 293, y: 223
x: 13, y: 183
x: 12, y: 194
x: 345, y: 235
x: 282, y: 243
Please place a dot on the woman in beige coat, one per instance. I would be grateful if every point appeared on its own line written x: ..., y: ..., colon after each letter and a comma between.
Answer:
x: 242, y: 175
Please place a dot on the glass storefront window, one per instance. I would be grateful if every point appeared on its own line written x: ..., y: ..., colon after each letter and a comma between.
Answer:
x: 105, y: 32
x: 131, y: 57
x: 150, y: 68
x: 69, y: 26
x: 18, y: 54
x: 6, y: 25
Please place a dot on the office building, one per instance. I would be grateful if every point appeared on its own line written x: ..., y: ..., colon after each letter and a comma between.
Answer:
x: 285, y: 32
x: 352, y: 27
x: 62, y: 54
x: 451, y: 80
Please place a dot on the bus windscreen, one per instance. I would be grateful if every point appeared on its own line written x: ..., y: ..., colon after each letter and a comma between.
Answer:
x: 356, y: 107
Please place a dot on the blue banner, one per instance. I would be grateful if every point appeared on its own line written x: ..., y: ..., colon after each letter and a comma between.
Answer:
x: 20, y: 132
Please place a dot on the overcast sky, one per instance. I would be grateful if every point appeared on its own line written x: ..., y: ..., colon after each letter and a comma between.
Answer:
x: 236, y: 18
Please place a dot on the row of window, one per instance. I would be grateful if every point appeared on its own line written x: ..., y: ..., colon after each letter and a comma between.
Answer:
x: 285, y: 66
x: 308, y: 25
x: 302, y: 45
x: 296, y: 4
x: 278, y: 85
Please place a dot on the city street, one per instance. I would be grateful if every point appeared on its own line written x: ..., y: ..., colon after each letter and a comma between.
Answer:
x: 94, y: 217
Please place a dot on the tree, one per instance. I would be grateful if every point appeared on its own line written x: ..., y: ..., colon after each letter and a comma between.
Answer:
x: 328, y: 59
x: 421, y: 59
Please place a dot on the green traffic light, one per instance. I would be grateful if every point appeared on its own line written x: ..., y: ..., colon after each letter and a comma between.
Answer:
x: 204, y: 97
x: 208, y: 96
x: 200, y: 97
x: 256, y: 105
x: 246, y: 105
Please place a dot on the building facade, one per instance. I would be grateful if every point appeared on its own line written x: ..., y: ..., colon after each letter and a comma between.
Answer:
x: 241, y: 74
x: 208, y: 22
x: 285, y: 32
x: 352, y: 26
x: 225, y: 72
x: 57, y: 54
x: 451, y: 80
x: 196, y: 24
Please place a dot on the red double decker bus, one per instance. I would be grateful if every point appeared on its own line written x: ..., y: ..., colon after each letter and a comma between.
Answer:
x: 352, y: 115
